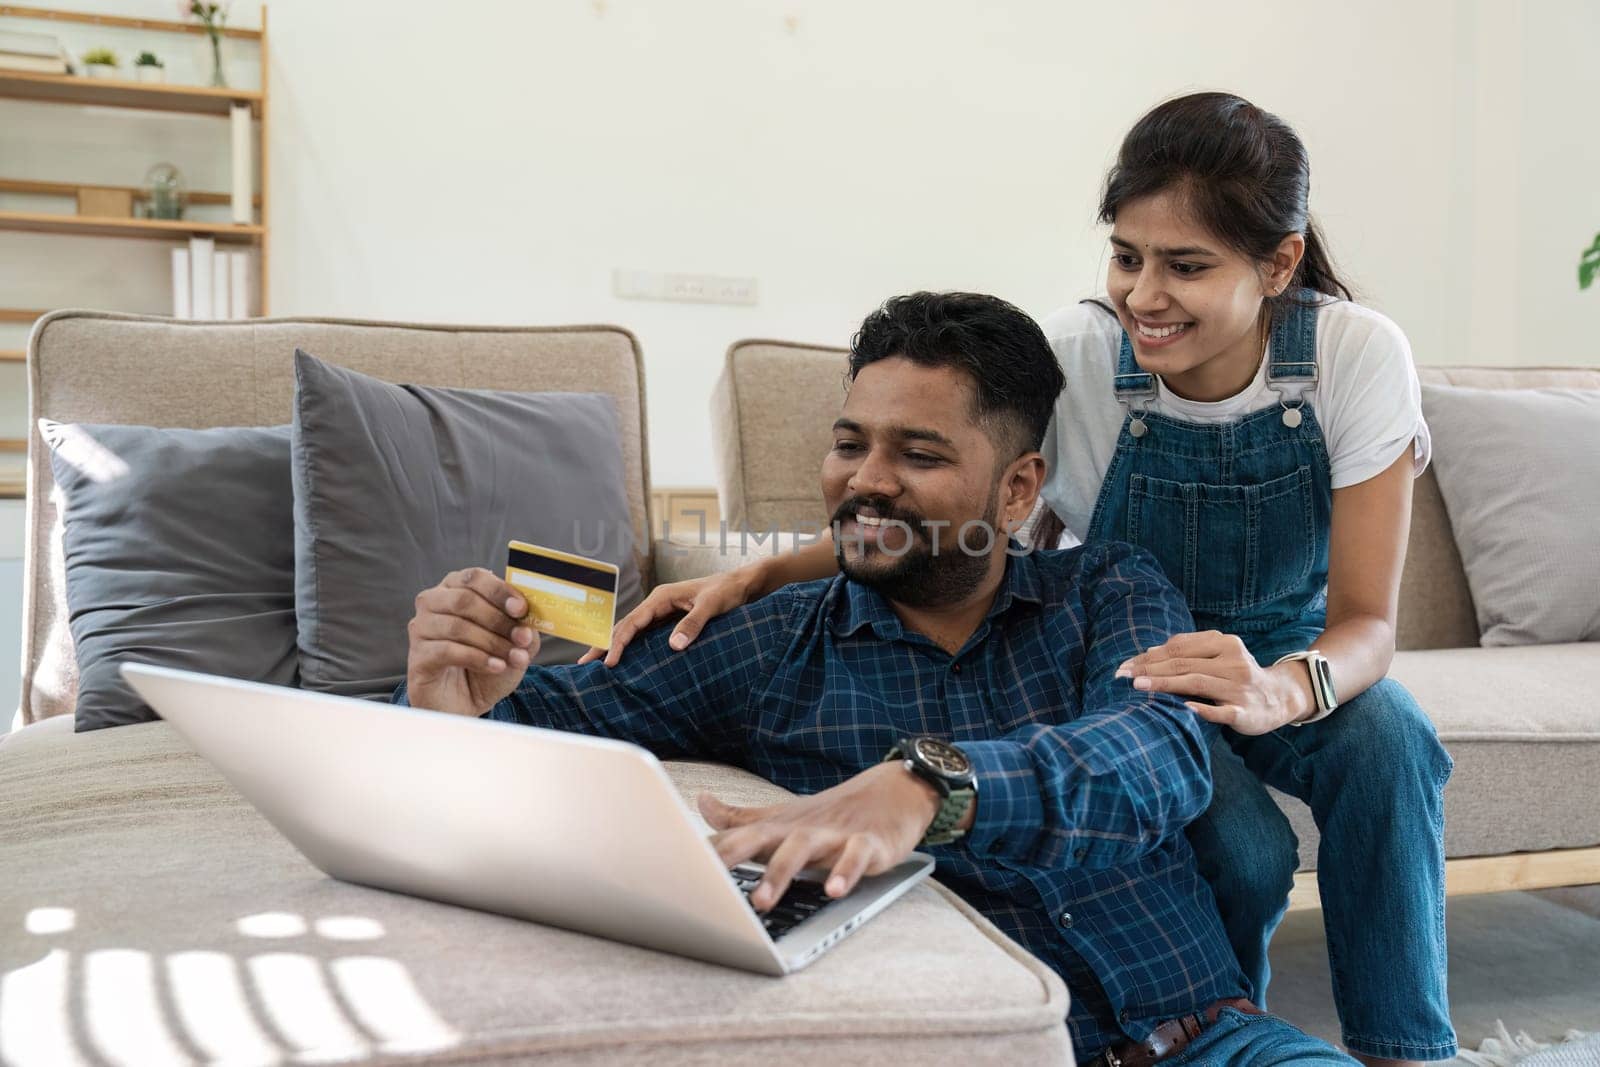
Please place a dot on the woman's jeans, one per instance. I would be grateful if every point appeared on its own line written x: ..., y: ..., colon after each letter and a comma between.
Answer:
x: 1258, y: 1040
x: 1373, y: 774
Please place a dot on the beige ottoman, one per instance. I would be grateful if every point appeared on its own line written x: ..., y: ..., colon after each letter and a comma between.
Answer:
x: 149, y: 915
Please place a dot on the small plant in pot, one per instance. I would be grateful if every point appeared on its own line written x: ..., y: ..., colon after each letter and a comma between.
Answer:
x: 1589, y: 264
x: 149, y: 68
x: 100, y: 63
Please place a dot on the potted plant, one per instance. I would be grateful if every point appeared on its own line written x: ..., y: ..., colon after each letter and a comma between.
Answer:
x: 149, y: 68
x: 1589, y: 264
x: 100, y: 63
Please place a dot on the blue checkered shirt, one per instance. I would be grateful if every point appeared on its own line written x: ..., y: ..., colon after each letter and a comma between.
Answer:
x: 1084, y: 783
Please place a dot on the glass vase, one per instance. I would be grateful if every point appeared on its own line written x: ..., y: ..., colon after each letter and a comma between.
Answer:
x: 217, y: 79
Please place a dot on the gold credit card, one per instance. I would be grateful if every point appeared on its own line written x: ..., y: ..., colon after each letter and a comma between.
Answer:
x: 568, y: 596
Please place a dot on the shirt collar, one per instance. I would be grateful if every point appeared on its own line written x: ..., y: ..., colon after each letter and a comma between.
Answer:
x: 853, y: 605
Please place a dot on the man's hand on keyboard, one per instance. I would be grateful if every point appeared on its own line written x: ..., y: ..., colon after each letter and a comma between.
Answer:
x: 862, y: 826
x: 468, y: 647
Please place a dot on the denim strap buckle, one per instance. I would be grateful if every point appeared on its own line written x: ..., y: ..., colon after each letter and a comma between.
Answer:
x: 1146, y: 388
x: 1276, y: 369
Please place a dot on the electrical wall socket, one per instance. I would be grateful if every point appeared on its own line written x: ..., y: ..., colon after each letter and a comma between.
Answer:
x: 683, y: 288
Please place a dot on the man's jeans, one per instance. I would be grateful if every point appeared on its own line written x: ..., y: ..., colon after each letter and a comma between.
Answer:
x: 1373, y: 774
x: 1240, y: 1040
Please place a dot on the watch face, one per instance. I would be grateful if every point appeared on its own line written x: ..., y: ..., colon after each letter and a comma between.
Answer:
x: 943, y: 757
x: 1324, y: 677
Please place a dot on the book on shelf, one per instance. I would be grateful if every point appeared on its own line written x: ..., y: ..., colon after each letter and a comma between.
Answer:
x: 182, y: 308
x: 202, y: 251
x: 39, y: 53
x: 210, y: 283
x: 33, y: 64
x: 238, y: 285
x: 219, y: 284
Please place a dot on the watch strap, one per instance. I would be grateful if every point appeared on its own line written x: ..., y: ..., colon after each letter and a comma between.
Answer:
x: 1325, y: 701
x: 952, y: 809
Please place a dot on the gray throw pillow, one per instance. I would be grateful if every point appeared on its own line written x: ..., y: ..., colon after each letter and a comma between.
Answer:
x: 1519, y: 470
x: 178, y: 552
x: 395, y: 486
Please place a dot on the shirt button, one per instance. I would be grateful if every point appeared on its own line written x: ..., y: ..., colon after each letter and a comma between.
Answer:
x: 1078, y: 854
x: 955, y: 668
x: 1123, y: 1018
x: 1066, y: 919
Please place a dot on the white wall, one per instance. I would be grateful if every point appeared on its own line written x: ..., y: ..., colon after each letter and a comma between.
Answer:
x: 495, y: 162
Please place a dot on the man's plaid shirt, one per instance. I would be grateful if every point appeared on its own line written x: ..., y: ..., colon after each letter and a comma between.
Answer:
x: 1084, y: 783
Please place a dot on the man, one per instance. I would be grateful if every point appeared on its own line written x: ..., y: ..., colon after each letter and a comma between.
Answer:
x: 937, y: 627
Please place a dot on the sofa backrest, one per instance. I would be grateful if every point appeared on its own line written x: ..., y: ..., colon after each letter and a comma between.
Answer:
x: 772, y: 413
x: 89, y: 366
x: 775, y: 403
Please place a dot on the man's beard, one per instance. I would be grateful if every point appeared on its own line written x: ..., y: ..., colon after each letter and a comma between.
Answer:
x: 919, y: 577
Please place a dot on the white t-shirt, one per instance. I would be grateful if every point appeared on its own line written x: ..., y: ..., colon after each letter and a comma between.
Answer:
x: 1367, y: 401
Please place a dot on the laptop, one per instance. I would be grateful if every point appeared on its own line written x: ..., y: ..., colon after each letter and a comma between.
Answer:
x: 578, y: 832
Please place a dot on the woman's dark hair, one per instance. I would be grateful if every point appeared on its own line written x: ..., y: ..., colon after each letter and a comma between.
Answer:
x: 1015, y: 373
x: 1242, y: 172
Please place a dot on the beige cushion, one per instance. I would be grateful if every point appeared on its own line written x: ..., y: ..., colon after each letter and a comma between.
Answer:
x: 1523, y: 725
x: 1436, y: 609
x: 89, y: 366
x: 195, y: 926
x: 1520, y: 473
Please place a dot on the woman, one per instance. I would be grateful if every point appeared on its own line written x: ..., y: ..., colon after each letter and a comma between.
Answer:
x: 1227, y: 411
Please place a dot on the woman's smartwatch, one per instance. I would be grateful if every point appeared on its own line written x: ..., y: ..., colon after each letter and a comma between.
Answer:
x: 1321, y: 684
x: 946, y: 768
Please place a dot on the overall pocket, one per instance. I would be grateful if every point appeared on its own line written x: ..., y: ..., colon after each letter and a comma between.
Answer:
x: 1228, y: 548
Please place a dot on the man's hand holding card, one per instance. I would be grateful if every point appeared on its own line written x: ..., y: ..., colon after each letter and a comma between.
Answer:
x: 474, y: 634
x: 469, y: 647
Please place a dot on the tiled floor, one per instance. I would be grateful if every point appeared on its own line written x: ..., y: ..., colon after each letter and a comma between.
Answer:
x: 1531, y: 960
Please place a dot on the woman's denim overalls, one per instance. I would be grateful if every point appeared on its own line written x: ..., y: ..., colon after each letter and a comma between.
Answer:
x: 1239, y: 514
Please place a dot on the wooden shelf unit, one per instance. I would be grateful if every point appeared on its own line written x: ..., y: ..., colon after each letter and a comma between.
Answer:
x: 74, y: 91
x: 67, y: 89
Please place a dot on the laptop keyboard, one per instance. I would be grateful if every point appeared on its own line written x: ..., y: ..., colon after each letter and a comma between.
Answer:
x: 803, y: 900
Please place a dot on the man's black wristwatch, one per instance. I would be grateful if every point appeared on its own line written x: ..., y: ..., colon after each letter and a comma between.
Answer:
x: 946, y: 768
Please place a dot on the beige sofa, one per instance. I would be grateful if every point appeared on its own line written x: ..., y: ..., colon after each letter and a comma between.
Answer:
x: 150, y: 915
x: 1523, y: 724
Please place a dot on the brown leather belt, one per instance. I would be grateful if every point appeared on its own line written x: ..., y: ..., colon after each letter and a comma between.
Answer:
x: 1170, y: 1037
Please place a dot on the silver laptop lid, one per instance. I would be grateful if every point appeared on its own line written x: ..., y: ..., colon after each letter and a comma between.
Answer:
x: 584, y: 833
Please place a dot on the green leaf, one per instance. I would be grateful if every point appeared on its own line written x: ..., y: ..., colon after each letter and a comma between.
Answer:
x: 1589, y: 265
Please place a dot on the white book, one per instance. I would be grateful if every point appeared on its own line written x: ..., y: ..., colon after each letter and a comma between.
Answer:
x: 33, y: 64
x: 202, y: 255
x: 219, y: 285
x: 243, y: 172
x: 238, y: 285
x: 181, y: 308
